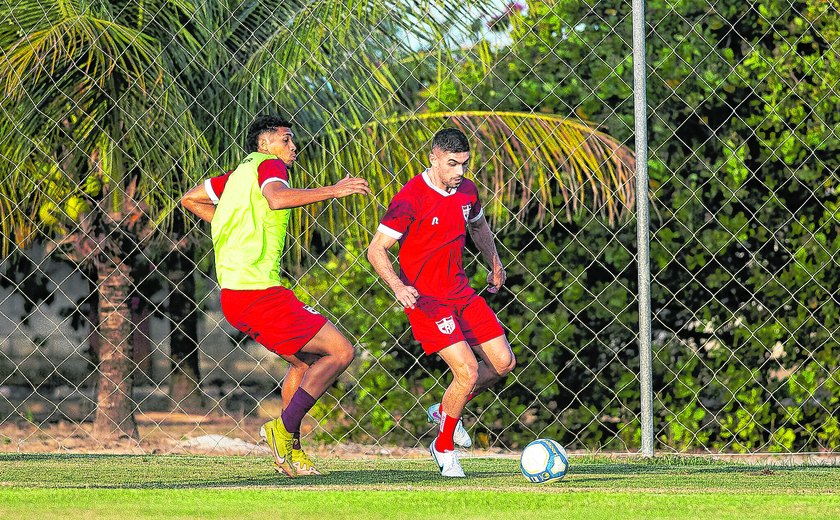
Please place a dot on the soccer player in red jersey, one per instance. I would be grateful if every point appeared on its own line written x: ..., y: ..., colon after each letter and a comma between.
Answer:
x: 429, y: 218
x: 249, y: 211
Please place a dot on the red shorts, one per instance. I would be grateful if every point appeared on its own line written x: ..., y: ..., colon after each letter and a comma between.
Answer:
x: 273, y: 317
x: 437, y: 324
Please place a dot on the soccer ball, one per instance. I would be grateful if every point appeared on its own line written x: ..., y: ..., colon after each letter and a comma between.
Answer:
x: 544, y: 461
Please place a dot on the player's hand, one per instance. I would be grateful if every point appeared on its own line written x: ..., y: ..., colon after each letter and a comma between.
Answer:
x: 406, y: 295
x: 495, y: 279
x: 350, y: 186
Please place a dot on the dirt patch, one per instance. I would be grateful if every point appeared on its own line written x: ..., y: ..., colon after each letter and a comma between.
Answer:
x: 184, y: 434
x: 160, y: 433
x: 217, y: 434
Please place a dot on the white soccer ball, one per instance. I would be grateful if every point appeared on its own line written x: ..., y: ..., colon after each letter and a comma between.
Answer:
x: 544, y: 461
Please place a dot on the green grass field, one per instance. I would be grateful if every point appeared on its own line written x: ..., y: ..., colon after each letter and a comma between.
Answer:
x: 37, y: 486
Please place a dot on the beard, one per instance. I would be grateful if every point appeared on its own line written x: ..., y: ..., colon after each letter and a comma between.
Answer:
x: 452, y: 185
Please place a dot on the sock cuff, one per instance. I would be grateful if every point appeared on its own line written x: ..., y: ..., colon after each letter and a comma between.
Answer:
x: 304, y: 396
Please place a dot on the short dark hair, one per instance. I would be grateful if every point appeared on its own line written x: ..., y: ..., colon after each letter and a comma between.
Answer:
x: 451, y: 140
x: 263, y: 124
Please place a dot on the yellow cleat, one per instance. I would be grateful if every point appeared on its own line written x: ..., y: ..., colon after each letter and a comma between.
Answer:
x: 280, y: 443
x: 303, y: 464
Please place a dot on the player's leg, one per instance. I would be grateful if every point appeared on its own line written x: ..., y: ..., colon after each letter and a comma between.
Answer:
x: 317, y: 352
x: 496, y: 362
x: 255, y: 313
x: 435, y: 413
x: 482, y: 330
x: 464, y: 366
x: 291, y: 382
x: 328, y: 354
x: 294, y: 375
x: 485, y: 334
x: 318, y: 364
x: 434, y: 325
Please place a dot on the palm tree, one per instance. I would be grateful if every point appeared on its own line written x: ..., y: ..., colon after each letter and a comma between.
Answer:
x: 95, y: 144
x: 112, y: 109
x: 356, y: 95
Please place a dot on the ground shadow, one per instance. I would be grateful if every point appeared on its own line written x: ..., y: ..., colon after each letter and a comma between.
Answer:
x: 654, y: 469
x: 341, y: 478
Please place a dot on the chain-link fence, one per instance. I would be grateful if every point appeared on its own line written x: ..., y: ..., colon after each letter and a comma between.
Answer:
x: 112, y: 110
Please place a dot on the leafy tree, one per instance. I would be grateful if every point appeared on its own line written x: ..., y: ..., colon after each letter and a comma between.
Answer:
x: 113, y: 109
x: 742, y: 132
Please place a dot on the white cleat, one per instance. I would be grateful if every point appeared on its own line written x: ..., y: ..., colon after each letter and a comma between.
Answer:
x: 447, y: 461
x: 460, y: 437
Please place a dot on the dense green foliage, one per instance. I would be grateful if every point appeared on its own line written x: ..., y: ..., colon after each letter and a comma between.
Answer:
x: 743, y: 124
x: 115, y: 109
x: 744, y: 166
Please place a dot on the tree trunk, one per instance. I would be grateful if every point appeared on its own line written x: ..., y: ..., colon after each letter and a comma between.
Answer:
x: 183, y: 339
x: 141, y: 342
x: 91, y: 305
x: 114, y: 402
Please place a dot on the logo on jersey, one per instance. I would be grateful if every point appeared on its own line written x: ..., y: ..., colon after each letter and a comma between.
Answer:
x: 446, y: 325
x: 311, y: 309
x: 435, y: 221
x: 466, y: 209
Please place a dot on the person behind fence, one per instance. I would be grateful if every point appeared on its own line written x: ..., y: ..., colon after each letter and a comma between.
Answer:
x: 248, y: 210
x: 429, y: 218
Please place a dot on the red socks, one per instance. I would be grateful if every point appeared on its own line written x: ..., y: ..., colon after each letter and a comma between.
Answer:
x: 447, y: 430
x: 444, y: 441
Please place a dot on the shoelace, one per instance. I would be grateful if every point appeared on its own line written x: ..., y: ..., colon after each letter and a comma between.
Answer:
x: 455, y: 458
x: 288, y: 445
x: 285, y: 443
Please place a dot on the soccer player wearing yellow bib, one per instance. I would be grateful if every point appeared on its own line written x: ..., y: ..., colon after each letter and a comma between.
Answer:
x: 248, y: 210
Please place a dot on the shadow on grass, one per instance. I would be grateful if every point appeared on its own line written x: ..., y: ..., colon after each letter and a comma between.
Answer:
x: 341, y: 478
x: 347, y: 479
x: 25, y: 457
x: 659, y: 469
x: 110, y: 471
x: 344, y: 480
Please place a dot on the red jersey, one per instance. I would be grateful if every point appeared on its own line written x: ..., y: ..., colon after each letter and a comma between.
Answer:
x: 431, y: 227
x: 272, y: 170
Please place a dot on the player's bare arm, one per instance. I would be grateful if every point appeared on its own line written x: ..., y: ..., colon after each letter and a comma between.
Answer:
x: 486, y: 243
x: 378, y: 257
x: 198, y: 202
x: 281, y: 197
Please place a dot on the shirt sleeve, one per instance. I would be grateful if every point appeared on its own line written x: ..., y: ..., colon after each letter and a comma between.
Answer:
x: 214, y: 186
x: 272, y: 170
x: 476, y: 211
x: 399, y: 216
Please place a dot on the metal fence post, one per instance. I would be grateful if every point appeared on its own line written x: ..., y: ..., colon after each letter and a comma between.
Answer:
x: 642, y: 226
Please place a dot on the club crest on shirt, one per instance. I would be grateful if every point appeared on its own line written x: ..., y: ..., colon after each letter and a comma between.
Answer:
x: 466, y: 209
x: 446, y: 325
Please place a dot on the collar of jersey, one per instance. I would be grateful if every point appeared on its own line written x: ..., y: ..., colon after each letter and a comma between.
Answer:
x: 429, y: 182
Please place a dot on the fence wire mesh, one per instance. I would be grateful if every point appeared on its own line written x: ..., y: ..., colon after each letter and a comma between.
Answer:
x: 112, y: 110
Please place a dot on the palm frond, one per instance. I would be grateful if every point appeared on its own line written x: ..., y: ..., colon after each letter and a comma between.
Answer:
x: 81, y: 86
x: 522, y: 162
x: 329, y: 64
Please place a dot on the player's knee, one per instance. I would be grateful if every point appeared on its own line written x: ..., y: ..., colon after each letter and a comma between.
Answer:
x: 467, y: 374
x: 345, y: 354
x: 297, y: 371
x: 508, y: 365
